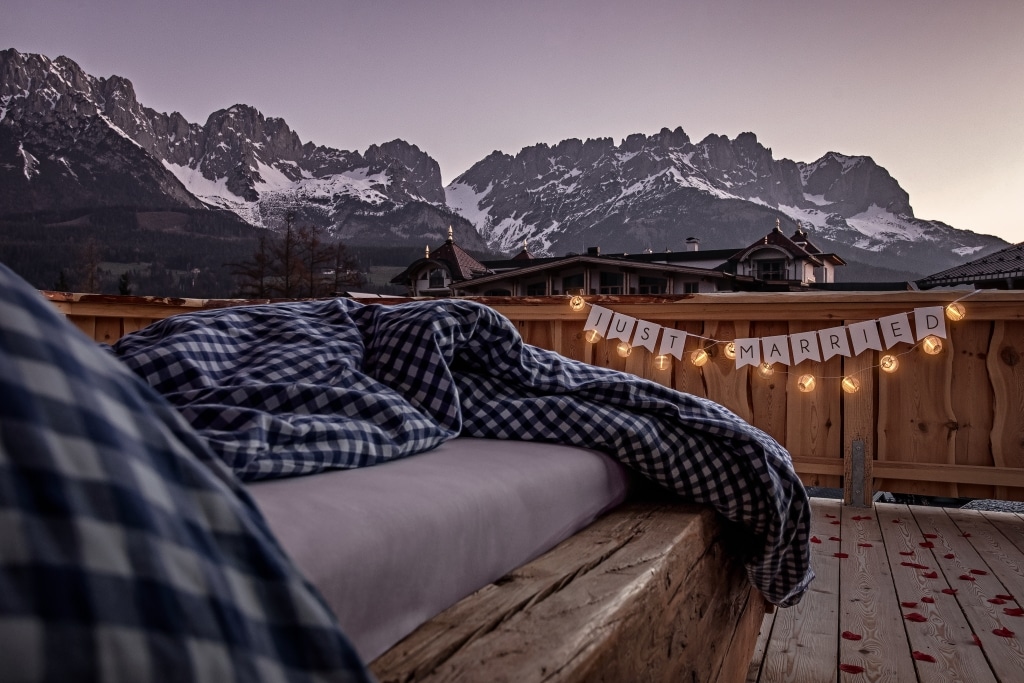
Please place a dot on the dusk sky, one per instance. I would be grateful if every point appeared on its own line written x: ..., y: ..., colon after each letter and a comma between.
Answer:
x: 932, y: 90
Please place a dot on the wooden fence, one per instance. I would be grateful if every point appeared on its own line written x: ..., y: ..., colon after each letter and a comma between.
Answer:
x: 945, y: 425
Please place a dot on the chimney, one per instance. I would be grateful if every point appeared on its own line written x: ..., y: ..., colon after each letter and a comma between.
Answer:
x: 692, y: 244
x: 593, y: 251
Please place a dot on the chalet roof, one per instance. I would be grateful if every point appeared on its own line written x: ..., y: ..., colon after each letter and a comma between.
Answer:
x: 776, y: 238
x: 1003, y: 264
x: 459, y: 262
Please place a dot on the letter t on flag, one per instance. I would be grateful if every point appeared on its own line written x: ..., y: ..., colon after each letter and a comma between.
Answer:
x: 672, y: 342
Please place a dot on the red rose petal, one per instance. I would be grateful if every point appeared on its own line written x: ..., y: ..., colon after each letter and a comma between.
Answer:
x: 926, y: 544
x: 1013, y: 611
x: 834, y: 538
x: 860, y: 517
x: 949, y: 556
x: 916, y: 617
x: 997, y: 601
x: 967, y: 577
x: 928, y: 599
x: 909, y: 604
x: 1004, y: 596
x: 915, y: 565
x: 949, y: 591
x: 841, y: 556
x: 851, y: 668
x: 830, y: 516
x: 977, y: 640
x: 930, y: 575
x: 837, y: 522
x: 864, y: 545
x: 979, y: 572
x: 1004, y: 632
x: 906, y: 553
x: 851, y: 636
x: 897, y: 521
x: 966, y: 535
x: 922, y: 657
x: 931, y: 535
x: 815, y: 539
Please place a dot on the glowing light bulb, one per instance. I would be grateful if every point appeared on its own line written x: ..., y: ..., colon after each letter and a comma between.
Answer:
x: 932, y: 345
x: 956, y: 311
x: 593, y: 336
x: 806, y: 383
x: 662, y: 362
x: 730, y: 350
x: 577, y: 303
x: 765, y: 370
x: 851, y: 385
x: 889, y: 363
x: 623, y: 349
x: 699, y: 357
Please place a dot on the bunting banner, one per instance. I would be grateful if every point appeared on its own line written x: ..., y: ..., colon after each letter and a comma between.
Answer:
x: 846, y: 340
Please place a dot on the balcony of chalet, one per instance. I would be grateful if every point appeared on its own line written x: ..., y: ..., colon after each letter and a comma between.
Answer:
x: 904, y: 592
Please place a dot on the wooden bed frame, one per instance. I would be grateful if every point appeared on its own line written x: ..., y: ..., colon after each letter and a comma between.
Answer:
x: 649, y: 592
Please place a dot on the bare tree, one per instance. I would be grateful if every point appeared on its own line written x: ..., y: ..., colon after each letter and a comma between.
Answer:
x: 255, y: 275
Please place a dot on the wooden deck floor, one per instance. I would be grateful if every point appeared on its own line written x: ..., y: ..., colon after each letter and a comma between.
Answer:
x: 903, y: 593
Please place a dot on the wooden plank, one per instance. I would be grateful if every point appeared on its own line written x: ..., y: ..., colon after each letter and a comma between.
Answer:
x: 975, y: 583
x: 859, y: 420
x: 108, y: 330
x: 745, y: 638
x: 944, y: 634
x: 915, y: 471
x: 803, y: 643
x: 915, y: 418
x: 768, y: 396
x: 869, y: 609
x: 685, y: 375
x: 972, y: 400
x: 813, y: 419
x: 1010, y: 525
x: 757, y: 659
x: 646, y: 593
x: 85, y: 323
x: 1006, y: 370
x: 725, y: 384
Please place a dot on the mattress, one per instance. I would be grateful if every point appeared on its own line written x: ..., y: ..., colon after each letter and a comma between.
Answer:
x: 391, y: 546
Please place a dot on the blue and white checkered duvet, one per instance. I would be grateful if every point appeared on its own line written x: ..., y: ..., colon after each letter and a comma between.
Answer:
x: 288, y: 389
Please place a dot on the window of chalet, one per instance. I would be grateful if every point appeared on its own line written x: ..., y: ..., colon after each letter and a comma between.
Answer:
x: 497, y: 292
x: 771, y: 270
x: 611, y: 283
x: 537, y: 289
x: 570, y: 283
x: 691, y: 288
x: 436, y: 278
x: 653, y: 285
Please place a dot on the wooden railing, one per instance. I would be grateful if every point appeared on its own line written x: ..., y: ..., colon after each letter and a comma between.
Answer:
x: 947, y: 425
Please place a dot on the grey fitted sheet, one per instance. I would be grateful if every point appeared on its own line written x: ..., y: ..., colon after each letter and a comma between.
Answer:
x: 392, y: 545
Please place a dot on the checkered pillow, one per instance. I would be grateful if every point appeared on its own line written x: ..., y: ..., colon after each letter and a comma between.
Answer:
x: 128, y: 551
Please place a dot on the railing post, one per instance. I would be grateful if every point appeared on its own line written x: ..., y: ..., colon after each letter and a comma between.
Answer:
x: 857, y: 487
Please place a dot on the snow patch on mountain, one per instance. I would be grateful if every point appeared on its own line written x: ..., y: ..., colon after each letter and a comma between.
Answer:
x: 466, y: 201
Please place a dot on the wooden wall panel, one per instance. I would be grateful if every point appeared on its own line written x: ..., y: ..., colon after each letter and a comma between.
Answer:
x: 725, y: 384
x: 813, y: 419
x: 1006, y: 369
x: 768, y: 396
x: 972, y: 400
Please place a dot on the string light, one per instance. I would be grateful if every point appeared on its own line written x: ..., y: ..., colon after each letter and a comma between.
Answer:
x: 956, y: 311
x: 851, y: 385
x: 593, y: 336
x: 662, y: 362
x: 577, y: 303
x: 889, y: 363
x: 765, y: 370
x: 623, y: 349
x: 730, y: 350
x: 932, y: 345
x: 805, y: 383
x: 699, y: 357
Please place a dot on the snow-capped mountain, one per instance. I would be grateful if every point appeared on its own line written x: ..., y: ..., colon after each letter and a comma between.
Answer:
x: 70, y: 140
x: 652, y: 192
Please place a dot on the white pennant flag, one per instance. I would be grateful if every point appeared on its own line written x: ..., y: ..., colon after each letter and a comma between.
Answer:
x: 672, y: 342
x: 646, y: 335
x: 834, y: 342
x: 776, y: 349
x: 621, y: 327
x: 748, y: 352
x: 896, y: 329
x: 598, y: 320
x: 930, y: 320
x: 865, y: 336
x: 805, y: 346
